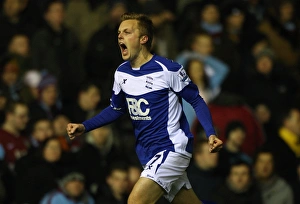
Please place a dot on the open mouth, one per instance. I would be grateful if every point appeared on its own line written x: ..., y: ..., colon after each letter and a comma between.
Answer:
x: 123, y: 47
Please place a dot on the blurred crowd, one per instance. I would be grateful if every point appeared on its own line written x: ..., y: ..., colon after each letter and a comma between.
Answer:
x: 57, y: 59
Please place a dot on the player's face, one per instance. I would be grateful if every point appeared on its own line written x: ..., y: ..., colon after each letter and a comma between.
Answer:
x: 129, y: 40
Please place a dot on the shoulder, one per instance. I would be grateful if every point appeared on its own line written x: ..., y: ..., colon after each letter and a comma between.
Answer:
x: 4, y: 134
x: 54, y: 197
x: 125, y: 66
x: 167, y: 64
x: 282, y: 184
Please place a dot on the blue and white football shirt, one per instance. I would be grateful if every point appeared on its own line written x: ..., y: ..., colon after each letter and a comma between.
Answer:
x: 152, y: 94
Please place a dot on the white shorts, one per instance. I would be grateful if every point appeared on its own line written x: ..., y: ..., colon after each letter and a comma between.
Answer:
x: 168, y: 169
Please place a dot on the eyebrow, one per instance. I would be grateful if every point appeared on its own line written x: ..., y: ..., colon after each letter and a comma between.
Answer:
x: 125, y: 29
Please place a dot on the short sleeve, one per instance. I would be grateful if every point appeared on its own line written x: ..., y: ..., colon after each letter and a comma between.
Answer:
x: 178, y: 79
x: 117, y: 100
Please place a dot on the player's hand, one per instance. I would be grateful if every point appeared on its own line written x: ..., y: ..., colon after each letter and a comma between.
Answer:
x: 215, y: 144
x: 75, y: 130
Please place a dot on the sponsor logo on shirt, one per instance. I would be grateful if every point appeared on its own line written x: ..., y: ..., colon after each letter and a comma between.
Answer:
x: 135, y: 110
x: 182, y: 75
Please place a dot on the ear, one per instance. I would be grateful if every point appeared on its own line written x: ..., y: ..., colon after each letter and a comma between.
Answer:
x: 144, y: 39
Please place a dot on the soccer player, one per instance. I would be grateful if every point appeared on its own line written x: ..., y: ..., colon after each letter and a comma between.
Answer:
x: 151, y: 88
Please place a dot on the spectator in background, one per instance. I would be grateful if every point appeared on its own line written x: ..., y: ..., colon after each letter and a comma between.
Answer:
x: 10, y: 76
x: 257, y: 9
x: 286, y: 146
x: 100, y: 64
x: 12, y: 22
x: 87, y: 15
x: 164, y: 40
x: 210, y: 21
x: 31, y: 81
x: 117, y: 185
x: 269, y: 83
x: 235, y: 134
x: 56, y: 50
x: 200, y: 46
x: 285, y: 22
x: 100, y: 149
x: 238, y: 187
x: 12, y: 140
x: 235, y: 42
x: 207, y: 19
x: 59, y: 127
x: 202, y: 172
x: 41, y: 176
x: 208, y: 91
x: 47, y: 105
x: 200, y: 16
x: 265, y: 118
x: 87, y: 101
x: 7, y: 182
x: 249, y: 59
x: 71, y: 190
x: 134, y: 173
x: 282, y: 31
x: 274, y: 189
x: 228, y: 107
x: 196, y: 72
x: 40, y: 130
x: 19, y: 47
x: 4, y: 101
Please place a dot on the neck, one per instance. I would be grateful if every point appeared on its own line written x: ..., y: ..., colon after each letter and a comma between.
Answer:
x: 14, y: 19
x: 267, y: 180
x: 141, y: 59
x: 118, y: 196
x: 56, y: 27
x: 10, y: 129
x: 264, y: 180
x: 231, y: 147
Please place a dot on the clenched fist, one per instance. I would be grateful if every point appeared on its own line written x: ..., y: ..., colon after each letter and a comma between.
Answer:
x: 75, y: 130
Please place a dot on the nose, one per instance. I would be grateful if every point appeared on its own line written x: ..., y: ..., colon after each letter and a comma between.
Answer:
x: 120, y: 36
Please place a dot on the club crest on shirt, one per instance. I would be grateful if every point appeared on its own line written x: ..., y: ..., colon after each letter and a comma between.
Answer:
x: 182, y: 75
x: 149, y: 82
